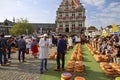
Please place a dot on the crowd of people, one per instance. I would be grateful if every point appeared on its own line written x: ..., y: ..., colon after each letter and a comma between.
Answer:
x: 39, y: 48
x: 108, y: 46
x: 24, y: 44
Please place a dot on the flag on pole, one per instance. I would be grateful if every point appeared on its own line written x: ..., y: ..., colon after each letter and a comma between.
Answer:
x: 115, y: 28
x: 75, y: 4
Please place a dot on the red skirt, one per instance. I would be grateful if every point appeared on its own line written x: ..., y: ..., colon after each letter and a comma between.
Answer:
x: 34, y: 49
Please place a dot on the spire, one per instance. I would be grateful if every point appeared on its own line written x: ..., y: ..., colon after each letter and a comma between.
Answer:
x: 14, y: 19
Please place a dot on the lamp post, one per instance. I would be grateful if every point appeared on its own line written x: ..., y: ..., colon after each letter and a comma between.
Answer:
x: 27, y: 31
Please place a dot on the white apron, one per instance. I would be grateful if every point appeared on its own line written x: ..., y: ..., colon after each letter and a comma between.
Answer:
x: 44, y: 47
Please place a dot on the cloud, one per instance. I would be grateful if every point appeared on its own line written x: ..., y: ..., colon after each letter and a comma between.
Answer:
x: 34, y: 10
x: 114, y: 4
x: 94, y: 2
x: 106, y: 15
x: 112, y: 10
x: 35, y: 2
x: 113, y: 7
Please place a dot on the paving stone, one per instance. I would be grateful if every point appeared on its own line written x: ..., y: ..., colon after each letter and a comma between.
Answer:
x: 23, y: 71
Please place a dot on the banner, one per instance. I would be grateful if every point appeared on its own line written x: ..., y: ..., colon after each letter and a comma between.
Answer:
x: 105, y: 34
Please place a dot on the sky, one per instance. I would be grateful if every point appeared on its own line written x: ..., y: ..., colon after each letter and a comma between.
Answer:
x: 99, y: 13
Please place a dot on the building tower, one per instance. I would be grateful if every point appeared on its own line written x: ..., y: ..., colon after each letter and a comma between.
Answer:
x: 69, y: 19
x: 13, y: 19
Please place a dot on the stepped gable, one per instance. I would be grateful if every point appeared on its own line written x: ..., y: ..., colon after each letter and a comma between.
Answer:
x: 69, y: 19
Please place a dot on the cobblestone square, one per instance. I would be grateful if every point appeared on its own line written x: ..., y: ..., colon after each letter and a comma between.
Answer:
x: 23, y: 71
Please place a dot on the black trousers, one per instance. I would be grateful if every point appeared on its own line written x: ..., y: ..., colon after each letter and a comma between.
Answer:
x: 23, y: 54
x: 62, y: 57
x: 3, y: 54
x: 9, y: 53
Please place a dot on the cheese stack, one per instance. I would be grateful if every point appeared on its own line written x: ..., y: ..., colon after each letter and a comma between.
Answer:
x: 79, y: 67
x: 109, y: 70
x: 70, y: 66
x: 102, y: 64
x: 66, y: 76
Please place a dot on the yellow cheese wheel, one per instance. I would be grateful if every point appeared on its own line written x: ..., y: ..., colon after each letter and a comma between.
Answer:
x: 79, y: 78
x: 66, y: 75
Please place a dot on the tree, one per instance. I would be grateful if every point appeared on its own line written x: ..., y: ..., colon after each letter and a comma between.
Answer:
x: 92, y: 28
x: 21, y: 27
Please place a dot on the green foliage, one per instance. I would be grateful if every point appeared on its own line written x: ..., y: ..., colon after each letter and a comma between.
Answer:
x: 92, y: 28
x: 21, y: 27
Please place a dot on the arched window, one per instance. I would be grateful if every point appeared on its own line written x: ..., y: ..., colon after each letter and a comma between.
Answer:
x: 67, y: 15
x: 73, y: 27
x: 67, y: 28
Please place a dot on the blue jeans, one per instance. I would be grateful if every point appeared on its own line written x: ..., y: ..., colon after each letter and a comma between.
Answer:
x: 3, y: 52
x: 43, y: 64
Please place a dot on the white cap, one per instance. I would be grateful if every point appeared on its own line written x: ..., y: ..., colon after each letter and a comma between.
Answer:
x: 45, y: 35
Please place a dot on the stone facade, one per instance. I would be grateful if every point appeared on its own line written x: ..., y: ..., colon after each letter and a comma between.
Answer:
x: 38, y: 27
x: 41, y: 28
x: 6, y: 26
x: 69, y: 19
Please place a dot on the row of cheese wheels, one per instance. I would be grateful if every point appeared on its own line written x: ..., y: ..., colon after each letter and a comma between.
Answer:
x: 75, y: 63
x: 108, y: 68
x: 96, y: 54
